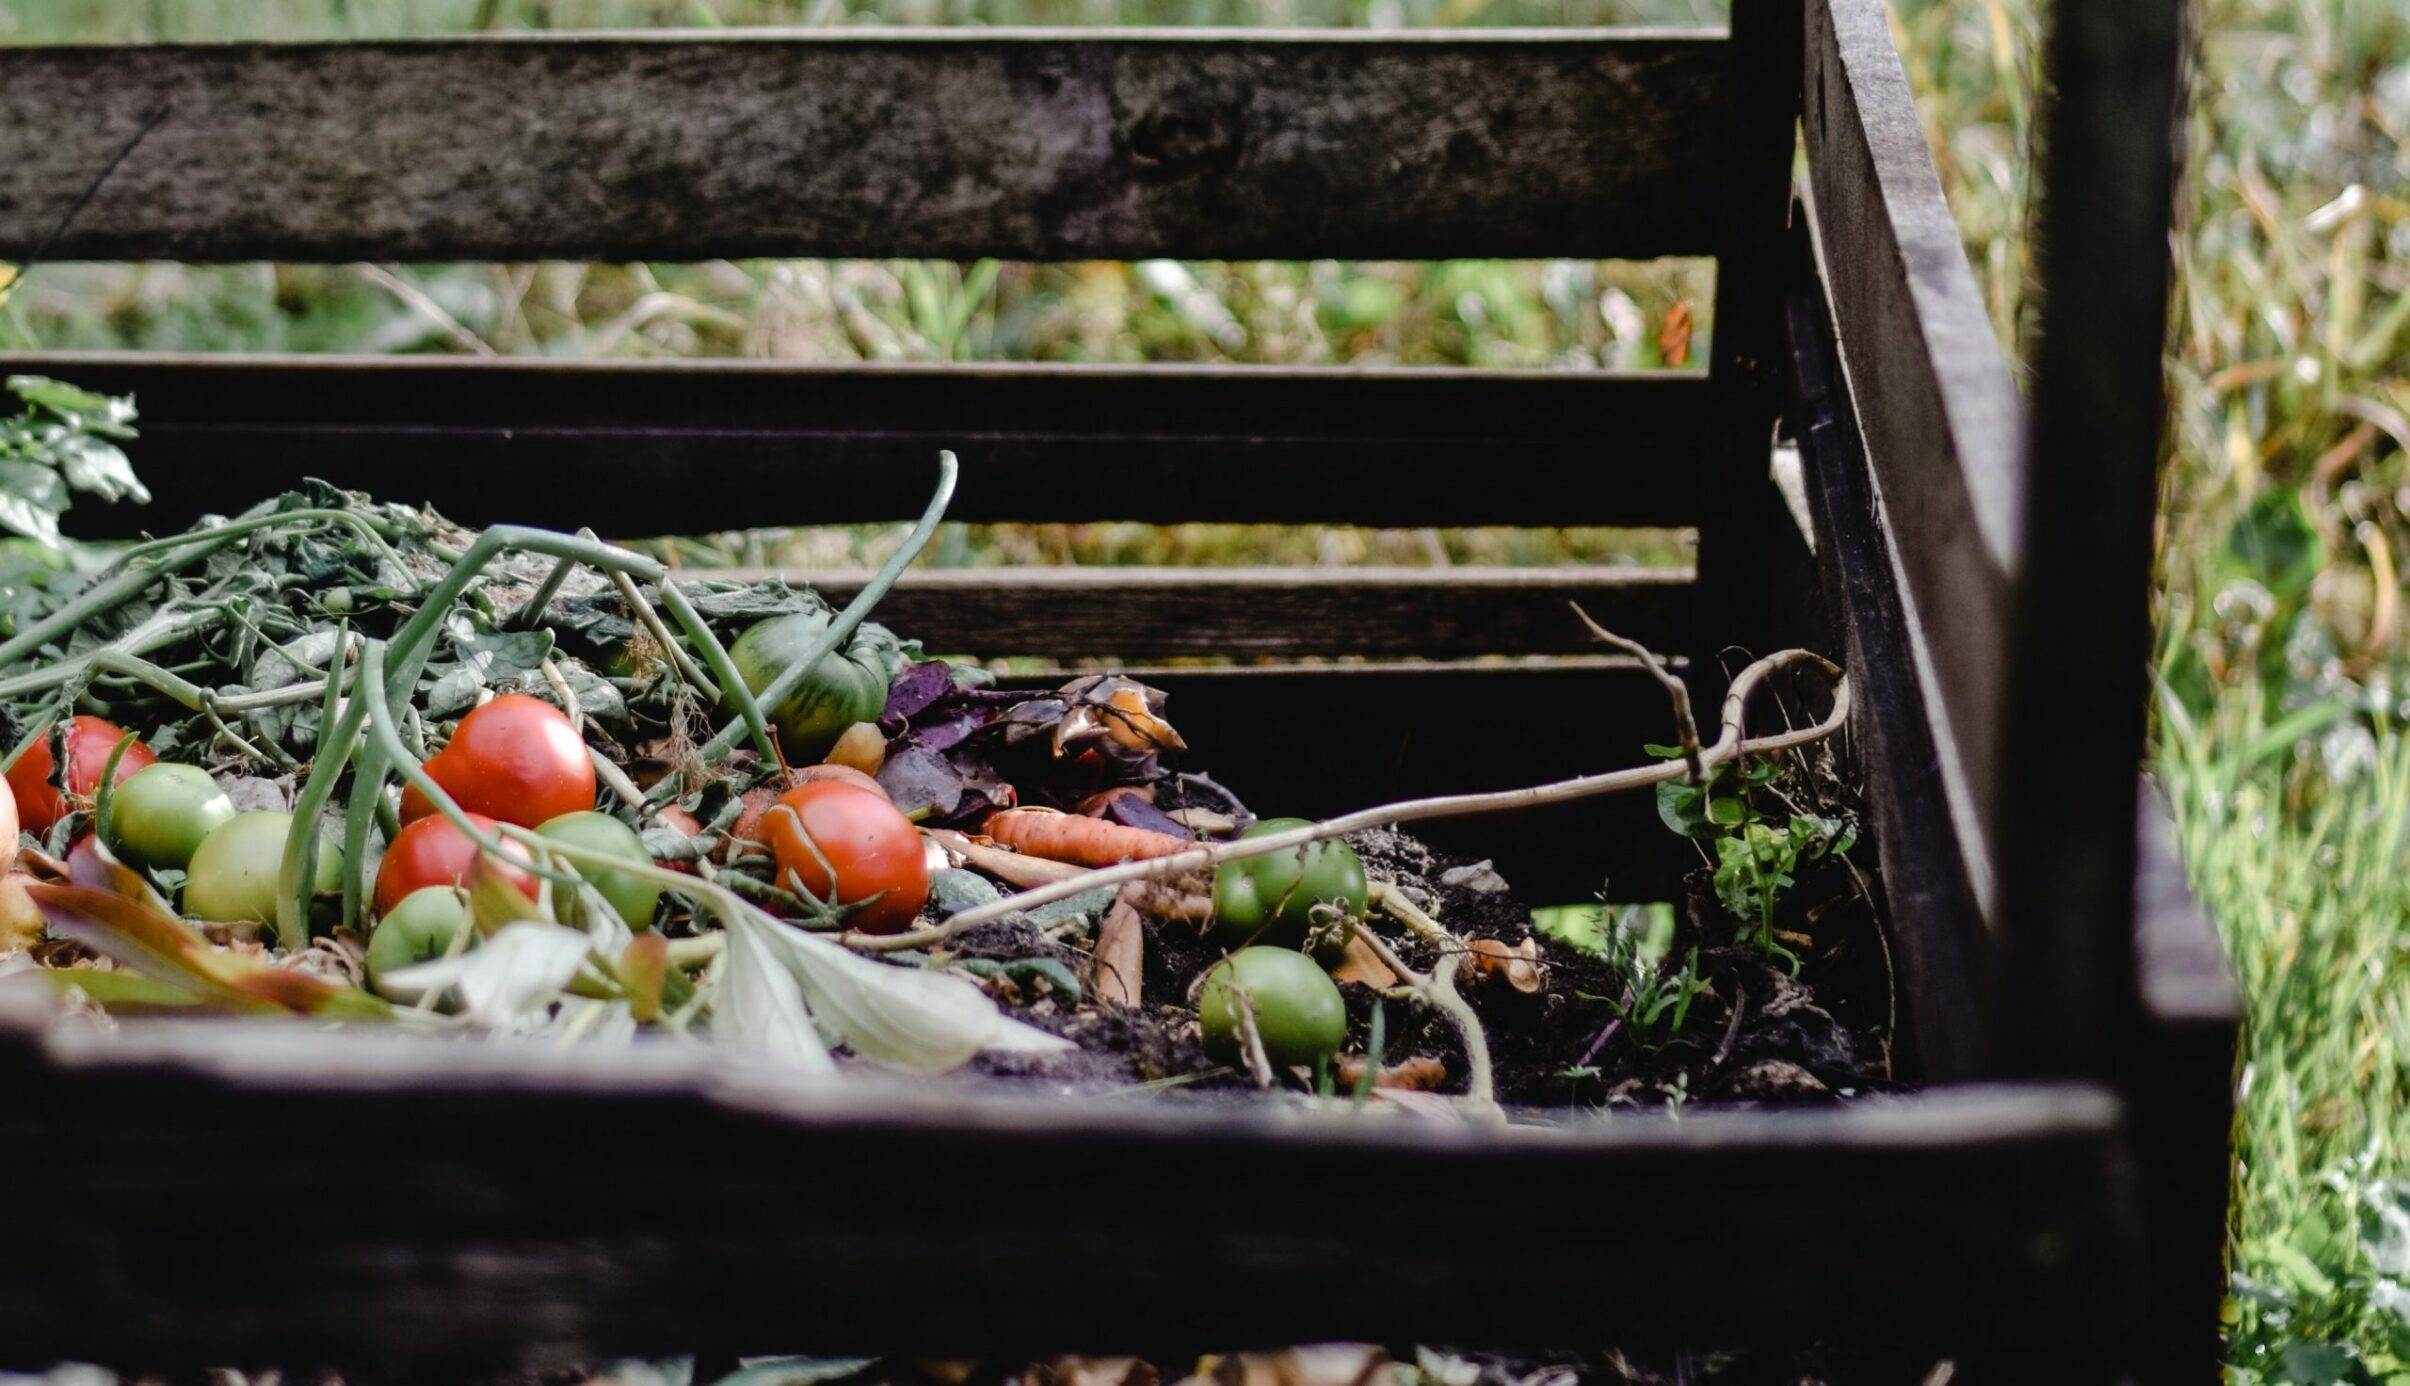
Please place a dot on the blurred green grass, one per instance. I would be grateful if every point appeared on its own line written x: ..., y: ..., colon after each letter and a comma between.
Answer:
x: 2282, y: 680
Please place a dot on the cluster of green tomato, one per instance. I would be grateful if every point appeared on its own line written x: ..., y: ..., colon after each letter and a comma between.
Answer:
x: 168, y: 816
x: 1278, y: 906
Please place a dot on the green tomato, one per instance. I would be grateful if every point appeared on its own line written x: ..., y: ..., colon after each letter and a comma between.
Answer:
x: 1297, y: 1008
x: 159, y: 817
x: 232, y: 878
x: 417, y: 930
x: 848, y: 686
x: 632, y: 896
x: 1271, y: 898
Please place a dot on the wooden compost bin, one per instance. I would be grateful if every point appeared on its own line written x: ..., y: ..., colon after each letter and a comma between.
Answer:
x: 196, y: 1193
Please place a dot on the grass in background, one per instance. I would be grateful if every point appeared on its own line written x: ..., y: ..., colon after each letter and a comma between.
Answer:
x: 2283, y: 687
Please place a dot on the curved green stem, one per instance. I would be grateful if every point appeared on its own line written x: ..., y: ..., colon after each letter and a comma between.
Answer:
x: 839, y: 630
x: 388, y: 744
x: 297, y: 875
x: 234, y: 529
x: 733, y: 688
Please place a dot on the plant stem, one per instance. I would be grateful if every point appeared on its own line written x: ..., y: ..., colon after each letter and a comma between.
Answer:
x: 1729, y: 745
x: 1438, y: 991
x: 872, y: 592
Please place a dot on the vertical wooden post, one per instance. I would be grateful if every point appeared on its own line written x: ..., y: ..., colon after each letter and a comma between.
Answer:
x: 2081, y: 633
x: 1745, y: 527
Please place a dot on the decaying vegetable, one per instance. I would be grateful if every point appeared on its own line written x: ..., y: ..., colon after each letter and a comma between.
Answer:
x: 1076, y: 839
x: 1284, y: 997
x: 427, y: 924
x: 159, y: 817
x: 1274, y: 898
x: 632, y: 898
x: 87, y: 742
x: 847, y: 847
x: 233, y: 875
x: 847, y: 686
x: 516, y: 760
x: 622, y: 829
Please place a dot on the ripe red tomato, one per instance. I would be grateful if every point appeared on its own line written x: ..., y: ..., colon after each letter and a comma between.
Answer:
x: 435, y: 852
x: 89, y: 741
x: 873, y: 847
x: 517, y: 759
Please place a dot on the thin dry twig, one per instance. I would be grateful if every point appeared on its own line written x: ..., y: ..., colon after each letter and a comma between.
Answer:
x: 1251, y: 1039
x: 1439, y: 992
x: 1686, y: 726
x: 1727, y: 746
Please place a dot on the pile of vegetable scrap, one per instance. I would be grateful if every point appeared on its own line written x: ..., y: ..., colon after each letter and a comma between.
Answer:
x: 345, y: 760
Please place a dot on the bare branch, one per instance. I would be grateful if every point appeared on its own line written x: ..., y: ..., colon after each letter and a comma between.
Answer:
x: 1686, y: 726
x: 1205, y: 856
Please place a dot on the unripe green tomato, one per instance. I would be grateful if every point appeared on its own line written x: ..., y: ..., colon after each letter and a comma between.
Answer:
x: 1271, y: 898
x: 1298, y: 1013
x: 232, y: 878
x: 159, y: 817
x: 417, y: 930
x: 848, y: 685
x: 631, y: 896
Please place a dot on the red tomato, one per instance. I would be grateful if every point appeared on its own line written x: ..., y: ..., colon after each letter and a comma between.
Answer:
x: 89, y: 741
x: 875, y: 849
x: 434, y: 851
x: 517, y: 759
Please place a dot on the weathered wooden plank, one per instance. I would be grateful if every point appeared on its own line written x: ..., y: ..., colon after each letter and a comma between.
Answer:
x: 1747, y: 526
x: 2177, y: 1051
x: 1940, y: 416
x: 950, y: 143
x: 530, y: 1206
x: 1316, y: 740
x: 1936, y: 931
x: 2080, y: 647
x: 1255, y: 613
x: 682, y: 448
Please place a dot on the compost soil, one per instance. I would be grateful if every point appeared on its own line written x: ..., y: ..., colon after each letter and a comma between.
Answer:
x: 1763, y: 1029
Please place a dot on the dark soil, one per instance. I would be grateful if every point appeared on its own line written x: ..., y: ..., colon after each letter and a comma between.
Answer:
x: 1758, y: 1032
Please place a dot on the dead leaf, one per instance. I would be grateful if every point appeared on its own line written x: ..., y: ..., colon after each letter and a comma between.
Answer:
x: 1363, y: 966
x: 1119, y: 962
x: 1422, y: 1073
x: 1518, y: 964
x: 1673, y: 339
x: 644, y: 970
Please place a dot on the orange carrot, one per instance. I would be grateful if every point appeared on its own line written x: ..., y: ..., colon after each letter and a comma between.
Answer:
x: 1076, y: 839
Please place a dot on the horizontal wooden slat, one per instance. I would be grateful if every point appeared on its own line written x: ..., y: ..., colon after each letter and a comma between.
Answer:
x: 1937, y: 932
x: 1315, y: 740
x: 536, y: 1204
x: 1030, y: 145
x: 1247, y: 613
x: 1943, y: 426
x: 672, y: 448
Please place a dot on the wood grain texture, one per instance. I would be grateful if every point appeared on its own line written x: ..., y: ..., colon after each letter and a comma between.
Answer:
x: 688, y: 447
x: 1941, y: 419
x: 1254, y: 613
x: 475, y: 1205
x: 1031, y: 145
x: 1319, y: 739
x: 1937, y: 932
